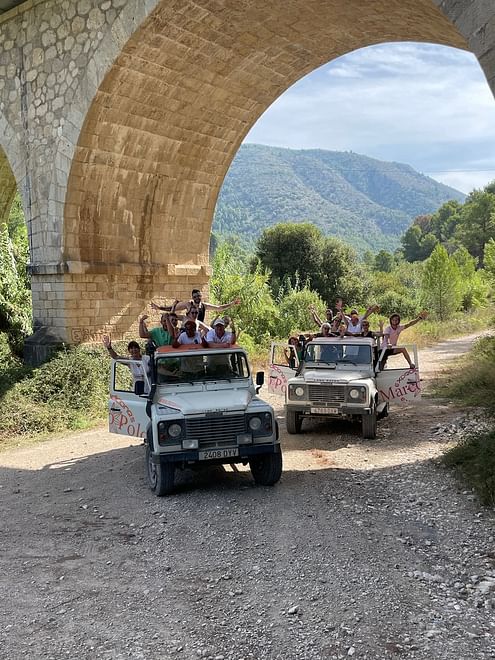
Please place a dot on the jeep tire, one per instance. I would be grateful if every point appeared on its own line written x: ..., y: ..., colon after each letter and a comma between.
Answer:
x: 369, y: 426
x: 160, y: 476
x: 293, y: 421
x: 266, y: 469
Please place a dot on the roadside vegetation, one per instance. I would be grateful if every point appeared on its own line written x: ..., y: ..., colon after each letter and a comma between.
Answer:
x: 293, y: 266
x: 471, y: 383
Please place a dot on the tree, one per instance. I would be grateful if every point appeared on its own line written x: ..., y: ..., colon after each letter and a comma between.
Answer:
x: 417, y: 245
x: 384, y: 262
x: 294, y: 312
x: 443, y: 222
x: 15, y: 295
x: 339, y: 275
x: 489, y: 257
x: 257, y: 314
x: 473, y: 282
x: 441, y: 289
x: 290, y: 249
x: 477, y: 223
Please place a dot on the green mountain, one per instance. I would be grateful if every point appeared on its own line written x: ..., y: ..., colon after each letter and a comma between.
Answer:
x: 366, y: 202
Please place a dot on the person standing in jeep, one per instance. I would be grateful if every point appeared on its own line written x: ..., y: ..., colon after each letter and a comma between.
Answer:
x: 197, y: 302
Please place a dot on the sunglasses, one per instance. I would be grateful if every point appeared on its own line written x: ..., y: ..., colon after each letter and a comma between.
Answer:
x: 194, y: 313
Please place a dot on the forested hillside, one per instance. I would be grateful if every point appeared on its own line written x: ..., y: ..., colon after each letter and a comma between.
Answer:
x: 366, y: 202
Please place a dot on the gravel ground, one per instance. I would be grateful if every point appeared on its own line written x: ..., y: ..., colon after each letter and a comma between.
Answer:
x: 365, y: 549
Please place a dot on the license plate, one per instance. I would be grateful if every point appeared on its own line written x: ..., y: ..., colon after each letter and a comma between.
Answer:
x: 208, y: 454
x: 325, y: 411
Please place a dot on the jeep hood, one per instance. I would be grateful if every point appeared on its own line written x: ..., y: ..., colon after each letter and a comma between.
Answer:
x: 195, y: 403
x: 336, y: 376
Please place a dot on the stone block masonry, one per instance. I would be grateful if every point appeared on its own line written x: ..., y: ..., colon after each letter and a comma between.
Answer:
x: 120, y: 118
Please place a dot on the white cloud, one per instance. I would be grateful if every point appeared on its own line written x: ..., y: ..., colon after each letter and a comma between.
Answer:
x: 422, y: 104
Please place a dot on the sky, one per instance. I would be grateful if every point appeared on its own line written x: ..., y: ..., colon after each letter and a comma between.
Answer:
x: 425, y: 105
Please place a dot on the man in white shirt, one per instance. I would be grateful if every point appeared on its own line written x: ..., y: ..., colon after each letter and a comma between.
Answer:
x: 218, y: 335
x: 354, y: 321
x: 190, y: 335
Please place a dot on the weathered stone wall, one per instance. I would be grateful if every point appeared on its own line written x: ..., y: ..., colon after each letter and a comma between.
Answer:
x: 120, y: 118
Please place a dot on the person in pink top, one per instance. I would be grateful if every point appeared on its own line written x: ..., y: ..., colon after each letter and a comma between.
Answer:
x: 391, y: 336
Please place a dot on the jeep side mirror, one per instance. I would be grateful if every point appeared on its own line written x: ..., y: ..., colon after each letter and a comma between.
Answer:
x: 260, y: 379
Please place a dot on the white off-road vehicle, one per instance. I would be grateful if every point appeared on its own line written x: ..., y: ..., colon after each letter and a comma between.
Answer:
x: 338, y: 378
x: 200, y: 406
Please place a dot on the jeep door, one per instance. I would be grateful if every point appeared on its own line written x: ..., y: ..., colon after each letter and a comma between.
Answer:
x: 126, y: 409
x: 399, y: 384
x: 279, y: 369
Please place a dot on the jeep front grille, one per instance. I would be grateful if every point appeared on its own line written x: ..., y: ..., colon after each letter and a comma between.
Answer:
x: 326, y: 393
x: 212, y: 432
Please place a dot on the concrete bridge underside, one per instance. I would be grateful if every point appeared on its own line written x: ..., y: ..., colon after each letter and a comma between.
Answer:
x: 168, y: 115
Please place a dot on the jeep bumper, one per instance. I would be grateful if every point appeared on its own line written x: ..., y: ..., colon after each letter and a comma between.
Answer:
x: 245, y: 452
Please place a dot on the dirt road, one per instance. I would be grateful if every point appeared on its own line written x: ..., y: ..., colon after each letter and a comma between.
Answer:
x: 365, y: 548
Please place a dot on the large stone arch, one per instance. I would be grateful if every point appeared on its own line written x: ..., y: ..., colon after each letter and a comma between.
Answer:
x: 13, y: 171
x: 8, y: 187
x: 169, y: 116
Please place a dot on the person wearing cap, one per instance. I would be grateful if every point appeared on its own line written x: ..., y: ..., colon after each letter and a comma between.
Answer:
x: 218, y: 335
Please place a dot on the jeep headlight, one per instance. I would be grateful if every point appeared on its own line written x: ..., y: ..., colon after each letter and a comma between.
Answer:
x: 356, y: 394
x: 255, y: 423
x: 174, y: 430
x: 260, y: 424
x: 170, y: 432
x: 297, y: 392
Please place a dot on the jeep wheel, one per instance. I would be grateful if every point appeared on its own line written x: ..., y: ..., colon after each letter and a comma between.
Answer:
x: 369, y: 426
x: 293, y: 421
x: 160, y: 475
x: 267, y: 469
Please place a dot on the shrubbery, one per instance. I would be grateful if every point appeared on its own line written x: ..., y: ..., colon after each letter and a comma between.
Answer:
x: 68, y: 392
x: 474, y: 459
x: 472, y: 382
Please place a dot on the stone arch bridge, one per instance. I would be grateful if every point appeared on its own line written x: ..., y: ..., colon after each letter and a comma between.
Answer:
x: 120, y: 118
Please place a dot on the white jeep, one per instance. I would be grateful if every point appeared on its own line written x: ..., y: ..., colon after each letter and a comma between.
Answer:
x: 200, y: 406
x: 338, y: 378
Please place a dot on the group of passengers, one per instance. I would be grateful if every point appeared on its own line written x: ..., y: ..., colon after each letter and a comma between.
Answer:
x: 338, y: 324
x: 177, y: 330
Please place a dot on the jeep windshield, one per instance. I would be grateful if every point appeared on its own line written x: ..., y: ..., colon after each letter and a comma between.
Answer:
x: 338, y: 353
x: 198, y: 366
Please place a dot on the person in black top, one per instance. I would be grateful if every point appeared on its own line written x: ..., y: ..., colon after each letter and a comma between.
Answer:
x: 198, y: 304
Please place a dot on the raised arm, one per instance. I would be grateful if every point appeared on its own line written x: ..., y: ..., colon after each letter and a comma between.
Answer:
x: 143, y: 330
x: 370, y: 310
x: 420, y: 317
x: 219, y: 308
x: 167, y: 308
x: 203, y: 327
x: 314, y: 316
x: 170, y: 328
x: 180, y: 305
x: 108, y: 345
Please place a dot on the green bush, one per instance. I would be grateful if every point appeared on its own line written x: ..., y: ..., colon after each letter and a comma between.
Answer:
x: 473, y: 381
x: 474, y: 459
x: 68, y: 392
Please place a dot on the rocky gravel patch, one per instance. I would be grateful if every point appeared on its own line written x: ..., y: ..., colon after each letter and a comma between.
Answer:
x: 366, y: 549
